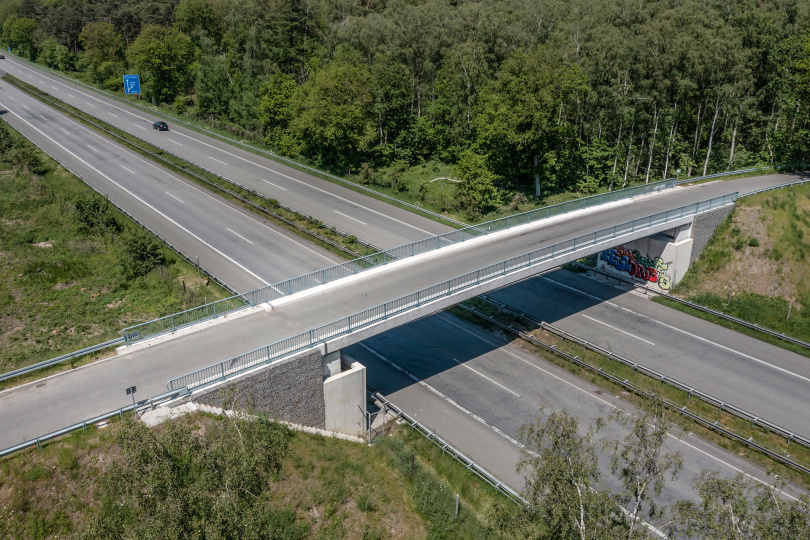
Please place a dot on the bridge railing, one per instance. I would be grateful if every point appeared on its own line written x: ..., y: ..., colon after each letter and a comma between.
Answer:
x: 192, y: 316
x: 322, y: 334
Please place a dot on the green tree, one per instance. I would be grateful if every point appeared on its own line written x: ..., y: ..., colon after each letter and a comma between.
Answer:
x: 142, y: 253
x: 561, y: 471
x: 275, y: 107
x: 96, y: 215
x: 164, y: 59
x: 737, y: 509
x: 212, y: 87
x: 641, y: 464
x: 333, y: 112
x: 101, y: 43
x: 19, y: 33
x: 477, y: 191
x: 178, y: 483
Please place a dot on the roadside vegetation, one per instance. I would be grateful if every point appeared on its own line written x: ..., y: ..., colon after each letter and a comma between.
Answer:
x: 210, y: 476
x: 649, y: 385
x: 757, y: 266
x: 521, y: 103
x: 73, y: 270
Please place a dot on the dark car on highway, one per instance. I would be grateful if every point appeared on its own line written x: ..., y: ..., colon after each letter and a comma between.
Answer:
x: 2, y: 57
x: 161, y: 126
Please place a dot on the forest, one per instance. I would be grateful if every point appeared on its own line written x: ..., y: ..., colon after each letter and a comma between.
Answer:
x: 521, y: 98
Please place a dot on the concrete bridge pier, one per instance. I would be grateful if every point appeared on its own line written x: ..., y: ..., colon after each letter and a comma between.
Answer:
x: 660, y: 261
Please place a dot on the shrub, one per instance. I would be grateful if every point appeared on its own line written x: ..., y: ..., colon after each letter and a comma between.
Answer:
x: 142, y: 254
x: 753, y: 242
x: 96, y: 215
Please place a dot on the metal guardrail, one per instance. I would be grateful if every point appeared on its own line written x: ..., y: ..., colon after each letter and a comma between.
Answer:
x: 151, y: 402
x: 63, y: 358
x: 313, y: 279
x: 699, y: 307
x: 708, y: 423
x: 44, y: 96
x: 764, y: 168
x: 452, y: 451
x: 653, y: 374
x: 121, y: 340
x: 307, y: 340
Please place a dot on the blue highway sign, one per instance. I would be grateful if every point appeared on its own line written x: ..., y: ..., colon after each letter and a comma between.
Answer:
x: 132, y: 84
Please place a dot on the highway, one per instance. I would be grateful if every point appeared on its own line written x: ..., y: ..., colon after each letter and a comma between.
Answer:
x: 769, y: 381
x: 476, y: 391
x: 70, y: 397
x: 367, y: 218
x: 97, y: 388
x: 241, y: 248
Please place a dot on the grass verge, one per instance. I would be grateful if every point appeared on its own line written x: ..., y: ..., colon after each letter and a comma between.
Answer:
x: 619, y: 369
x: 302, y: 225
x: 402, y: 487
x: 62, y: 284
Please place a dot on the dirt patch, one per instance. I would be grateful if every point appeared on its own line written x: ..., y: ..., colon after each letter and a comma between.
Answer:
x: 751, y: 268
x: 43, y: 244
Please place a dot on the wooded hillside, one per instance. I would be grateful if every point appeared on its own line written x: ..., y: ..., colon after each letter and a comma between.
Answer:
x: 538, y: 96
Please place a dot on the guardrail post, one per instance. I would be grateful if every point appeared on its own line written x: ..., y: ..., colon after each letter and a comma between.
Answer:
x: 172, y: 323
x: 222, y: 369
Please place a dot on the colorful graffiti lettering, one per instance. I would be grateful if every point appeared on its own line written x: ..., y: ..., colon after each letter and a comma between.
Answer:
x: 652, y: 269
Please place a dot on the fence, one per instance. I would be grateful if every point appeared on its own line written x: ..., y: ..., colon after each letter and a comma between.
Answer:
x: 151, y: 403
x: 450, y: 450
x: 333, y: 273
x: 63, y: 358
x: 708, y: 423
x: 306, y: 340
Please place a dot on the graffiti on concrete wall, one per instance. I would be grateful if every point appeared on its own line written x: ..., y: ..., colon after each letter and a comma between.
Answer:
x: 651, y: 269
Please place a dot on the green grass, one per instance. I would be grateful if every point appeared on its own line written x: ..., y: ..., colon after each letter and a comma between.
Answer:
x: 69, y: 291
x: 327, y: 488
x: 623, y: 371
x: 767, y: 234
x: 310, y: 229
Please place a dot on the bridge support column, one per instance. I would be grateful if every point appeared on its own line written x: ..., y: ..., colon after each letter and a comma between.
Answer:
x: 659, y: 261
x: 344, y: 394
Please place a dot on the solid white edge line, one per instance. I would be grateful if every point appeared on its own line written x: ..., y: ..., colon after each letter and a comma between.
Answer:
x: 167, y: 218
x: 237, y: 156
x: 678, y: 439
x: 617, y: 329
x: 695, y: 336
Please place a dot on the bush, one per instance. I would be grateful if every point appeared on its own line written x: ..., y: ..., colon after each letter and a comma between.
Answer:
x: 95, y: 214
x: 142, y: 254
x: 753, y: 242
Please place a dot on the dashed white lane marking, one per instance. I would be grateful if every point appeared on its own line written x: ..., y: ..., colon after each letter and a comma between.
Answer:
x: 55, y: 88
x: 173, y: 141
x: 142, y: 201
x: 617, y: 329
x: 173, y: 197
x: 136, y: 125
x: 65, y: 131
x: 26, y: 107
x: 92, y: 148
x: 272, y: 184
x: 111, y: 114
x: 89, y: 104
x: 240, y: 236
x: 675, y: 328
x: 487, y: 378
x: 350, y: 217
x: 128, y: 170
x: 43, y: 117
x: 503, y: 349
x: 71, y: 95
x: 215, y: 159
x: 420, y: 382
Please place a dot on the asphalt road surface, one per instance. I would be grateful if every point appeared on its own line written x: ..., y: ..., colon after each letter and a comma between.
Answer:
x: 239, y: 247
x: 476, y: 392
x: 366, y: 218
x: 84, y: 393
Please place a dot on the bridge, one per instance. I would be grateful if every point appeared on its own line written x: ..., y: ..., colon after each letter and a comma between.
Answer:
x: 352, y: 308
